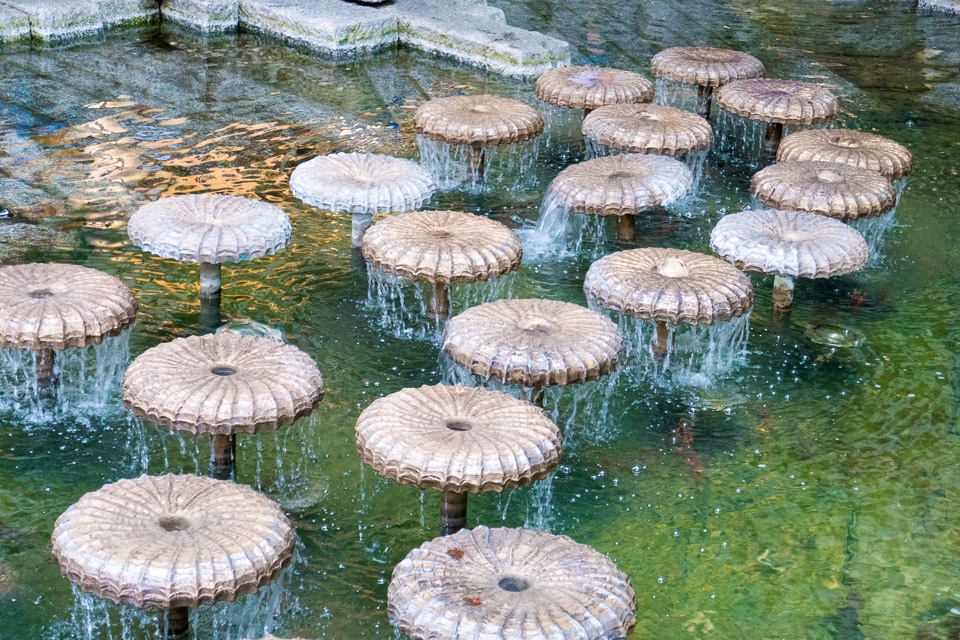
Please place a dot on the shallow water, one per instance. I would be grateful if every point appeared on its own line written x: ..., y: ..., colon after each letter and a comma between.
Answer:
x: 806, y: 490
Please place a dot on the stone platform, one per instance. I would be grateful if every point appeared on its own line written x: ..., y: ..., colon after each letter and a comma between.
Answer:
x: 467, y: 30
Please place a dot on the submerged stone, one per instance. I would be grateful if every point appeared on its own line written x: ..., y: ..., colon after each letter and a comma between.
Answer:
x: 834, y: 335
x: 247, y: 327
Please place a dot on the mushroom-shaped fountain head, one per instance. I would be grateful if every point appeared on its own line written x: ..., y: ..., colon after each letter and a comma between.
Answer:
x: 828, y: 189
x: 669, y: 286
x: 844, y: 146
x: 705, y: 67
x: 362, y: 184
x: 209, y: 229
x: 648, y: 128
x: 477, y: 121
x: 509, y: 584
x: 534, y: 343
x: 589, y: 88
x: 789, y: 244
x: 172, y: 542
x: 442, y: 247
x: 621, y: 185
x: 48, y: 307
x: 222, y: 384
x: 778, y: 102
x: 459, y: 440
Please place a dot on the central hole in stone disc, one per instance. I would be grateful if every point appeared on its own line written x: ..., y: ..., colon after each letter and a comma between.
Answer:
x: 829, y: 176
x: 536, y: 325
x: 842, y: 141
x: 174, y: 523
x: 41, y: 293
x: 439, y: 233
x: 512, y: 584
x: 652, y: 117
x: 620, y: 174
x: 223, y: 370
x: 482, y: 108
x: 458, y: 424
x: 673, y: 268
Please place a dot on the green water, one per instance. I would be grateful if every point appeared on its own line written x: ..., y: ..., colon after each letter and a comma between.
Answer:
x: 809, y: 493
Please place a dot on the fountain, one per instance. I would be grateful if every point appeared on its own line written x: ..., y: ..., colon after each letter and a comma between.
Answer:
x: 458, y: 440
x: 52, y: 307
x: 623, y: 185
x: 827, y: 189
x: 707, y: 68
x: 223, y: 384
x: 209, y: 229
x: 505, y: 584
x: 478, y: 123
x: 669, y: 287
x: 590, y: 88
x: 362, y: 184
x: 844, y: 146
x: 172, y: 543
x: 533, y: 343
x: 778, y: 103
x: 789, y: 244
x: 441, y: 248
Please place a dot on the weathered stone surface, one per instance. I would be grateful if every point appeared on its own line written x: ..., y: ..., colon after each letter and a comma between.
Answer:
x: 14, y: 25
x: 331, y: 25
x: 57, y: 19
x: 19, y: 238
x: 22, y: 200
x: 206, y: 15
x: 948, y: 6
x: 478, y: 35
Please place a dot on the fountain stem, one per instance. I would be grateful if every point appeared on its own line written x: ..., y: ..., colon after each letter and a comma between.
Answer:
x: 782, y: 293
x: 210, y: 318
x: 359, y: 224
x: 626, y: 228
x: 440, y: 302
x: 661, y: 346
x: 209, y: 279
x: 453, y: 512
x: 223, y: 456
x: 771, y: 139
x: 704, y: 101
x: 45, y: 359
x: 587, y: 112
x: 477, y: 162
x: 174, y: 623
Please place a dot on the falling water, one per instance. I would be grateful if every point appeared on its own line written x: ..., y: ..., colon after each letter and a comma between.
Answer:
x: 875, y: 231
x: 741, y: 139
x: 400, y: 306
x: 696, y: 162
x: 562, y: 138
x: 506, y: 165
x: 561, y: 233
x: 251, y: 616
x: 86, y: 379
x: 675, y: 94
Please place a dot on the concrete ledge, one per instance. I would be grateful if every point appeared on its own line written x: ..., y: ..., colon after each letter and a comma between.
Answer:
x: 14, y: 25
x: 52, y: 20
x: 205, y: 15
x: 943, y: 6
x: 328, y: 25
x: 126, y: 12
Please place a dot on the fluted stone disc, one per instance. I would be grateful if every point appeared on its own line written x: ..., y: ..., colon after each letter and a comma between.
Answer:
x: 509, y: 584
x: 781, y: 101
x: 834, y: 190
x: 705, y: 66
x: 669, y: 285
x: 648, y: 128
x: 222, y: 384
x: 533, y: 342
x: 790, y: 243
x: 844, y: 146
x: 592, y: 87
x: 482, y: 119
x: 623, y: 184
x: 209, y: 228
x: 461, y: 439
x: 59, y: 306
x: 442, y: 246
x: 362, y: 183
x: 172, y: 541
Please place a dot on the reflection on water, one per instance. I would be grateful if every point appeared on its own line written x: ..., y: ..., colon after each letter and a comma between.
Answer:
x: 802, y: 485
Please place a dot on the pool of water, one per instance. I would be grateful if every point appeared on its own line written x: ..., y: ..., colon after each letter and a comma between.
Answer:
x: 801, y: 490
